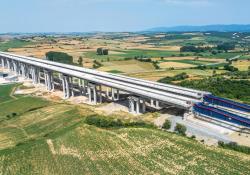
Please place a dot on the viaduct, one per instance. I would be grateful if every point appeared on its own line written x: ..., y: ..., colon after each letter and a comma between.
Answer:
x: 88, y: 82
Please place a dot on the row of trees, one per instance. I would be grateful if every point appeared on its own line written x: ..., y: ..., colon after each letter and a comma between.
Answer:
x: 178, y: 77
x: 220, y: 47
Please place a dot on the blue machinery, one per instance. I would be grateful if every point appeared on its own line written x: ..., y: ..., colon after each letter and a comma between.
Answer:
x: 226, y: 103
x: 220, y: 114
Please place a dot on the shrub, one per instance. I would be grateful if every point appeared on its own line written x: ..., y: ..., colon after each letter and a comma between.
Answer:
x: 180, y: 129
x: 234, y: 146
x: 193, y: 137
x: 178, y: 77
x: 166, y: 124
x: 155, y: 64
x: 104, y: 122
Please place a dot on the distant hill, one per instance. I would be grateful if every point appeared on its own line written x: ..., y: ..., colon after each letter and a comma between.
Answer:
x: 218, y: 28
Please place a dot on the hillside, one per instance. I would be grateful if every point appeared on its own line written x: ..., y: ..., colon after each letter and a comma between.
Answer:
x: 52, y: 138
x: 217, y: 28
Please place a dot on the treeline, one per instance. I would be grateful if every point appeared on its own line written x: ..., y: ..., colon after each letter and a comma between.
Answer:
x: 234, y: 146
x: 239, y: 74
x: 233, y: 89
x: 178, y: 77
x: 60, y: 57
x: 220, y: 47
x: 105, y: 122
x: 195, y: 49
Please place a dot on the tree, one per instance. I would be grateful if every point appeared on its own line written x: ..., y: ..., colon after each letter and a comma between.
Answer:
x: 231, y: 68
x: 60, y: 57
x: 180, y: 129
x: 101, y: 51
x: 80, y: 60
x: 214, y: 72
x: 105, y: 51
x: 166, y: 124
x: 226, y: 46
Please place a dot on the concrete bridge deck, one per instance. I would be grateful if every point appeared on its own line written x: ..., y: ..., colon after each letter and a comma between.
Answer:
x: 140, y: 90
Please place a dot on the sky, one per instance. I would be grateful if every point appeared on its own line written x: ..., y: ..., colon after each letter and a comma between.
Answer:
x: 117, y: 15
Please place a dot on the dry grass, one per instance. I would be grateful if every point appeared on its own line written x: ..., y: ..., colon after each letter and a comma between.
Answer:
x: 166, y: 65
x: 242, y: 65
x: 127, y: 66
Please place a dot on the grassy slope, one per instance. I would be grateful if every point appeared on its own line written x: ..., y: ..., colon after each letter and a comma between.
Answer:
x: 89, y: 150
x: 5, y: 92
x: 55, y: 140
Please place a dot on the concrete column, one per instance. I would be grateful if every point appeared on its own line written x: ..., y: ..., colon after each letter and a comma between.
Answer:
x: 155, y: 104
x: 26, y: 71
x: 95, y: 95
x: 38, y: 76
x: 112, y: 94
x: 89, y: 94
x: 15, y: 67
x: 52, y: 81
x: 71, y: 86
x: 131, y: 105
x: 143, y: 106
x: 67, y: 86
x: 100, y: 93
x: 80, y: 86
x: 49, y: 80
x: 46, y: 79
x: 79, y: 82
x: 107, y: 92
x: 2, y: 62
x: 23, y: 70
x: 8, y: 64
x: 138, y: 106
x: 64, y: 88
x: 117, y: 94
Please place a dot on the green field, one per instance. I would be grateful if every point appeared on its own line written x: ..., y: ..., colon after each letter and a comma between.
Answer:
x: 5, y: 92
x: 4, y: 46
x: 194, y: 62
x: 54, y: 139
x: 131, y: 54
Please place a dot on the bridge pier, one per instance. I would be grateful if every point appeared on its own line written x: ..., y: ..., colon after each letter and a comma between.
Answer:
x: 2, y: 61
x: 94, y: 93
x: 35, y: 72
x: 115, y: 94
x: 66, y: 87
x: 137, y: 105
x: 8, y: 64
x: 49, y: 80
x: 155, y: 104
x: 81, y: 85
